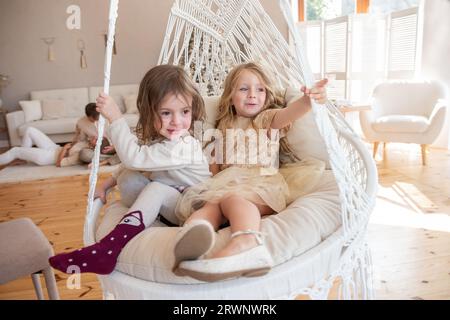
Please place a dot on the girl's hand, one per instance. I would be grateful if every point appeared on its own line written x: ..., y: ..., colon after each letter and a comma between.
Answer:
x: 100, y: 192
x: 318, y: 93
x: 108, y: 108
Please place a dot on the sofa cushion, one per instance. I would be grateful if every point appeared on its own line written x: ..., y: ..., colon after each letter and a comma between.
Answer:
x: 56, y: 126
x: 401, y: 123
x: 131, y: 103
x: 298, y: 228
x: 31, y: 109
x: 75, y: 100
x: 117, y: 92
x: 53, y: 109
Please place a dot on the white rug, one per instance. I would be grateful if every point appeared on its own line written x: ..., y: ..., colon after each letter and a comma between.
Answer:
x: 28, y: 172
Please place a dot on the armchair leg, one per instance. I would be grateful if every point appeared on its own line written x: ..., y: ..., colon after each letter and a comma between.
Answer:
x: 375, y: 148
x: 424, y: 148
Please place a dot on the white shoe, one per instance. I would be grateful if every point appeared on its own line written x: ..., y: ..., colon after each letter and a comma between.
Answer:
x: 192, y: 241
x: 251, y: 263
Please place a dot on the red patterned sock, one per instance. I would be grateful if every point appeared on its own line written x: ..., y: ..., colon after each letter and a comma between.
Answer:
x: 101, y: 257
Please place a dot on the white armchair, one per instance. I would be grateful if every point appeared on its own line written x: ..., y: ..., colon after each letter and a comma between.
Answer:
x: 406, y: 112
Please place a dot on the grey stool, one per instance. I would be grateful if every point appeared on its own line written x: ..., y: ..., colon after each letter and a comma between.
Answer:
x: 25, y: 250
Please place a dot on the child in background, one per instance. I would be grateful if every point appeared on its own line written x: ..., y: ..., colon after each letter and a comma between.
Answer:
x: 46, y: 151
x: 86, y: 126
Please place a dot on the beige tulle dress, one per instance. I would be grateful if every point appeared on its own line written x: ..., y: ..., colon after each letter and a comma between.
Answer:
x: 253, y: 172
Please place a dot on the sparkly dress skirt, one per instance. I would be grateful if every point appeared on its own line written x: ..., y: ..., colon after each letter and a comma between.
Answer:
x: 274, y: 188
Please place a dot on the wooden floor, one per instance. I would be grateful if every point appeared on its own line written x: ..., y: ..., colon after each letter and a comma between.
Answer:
x: 409, y: 232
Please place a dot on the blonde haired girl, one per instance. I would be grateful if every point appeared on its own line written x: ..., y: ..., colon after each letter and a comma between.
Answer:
x: 241, y: 192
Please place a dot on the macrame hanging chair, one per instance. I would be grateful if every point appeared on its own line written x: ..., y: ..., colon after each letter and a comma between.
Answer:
x: 208, y: 37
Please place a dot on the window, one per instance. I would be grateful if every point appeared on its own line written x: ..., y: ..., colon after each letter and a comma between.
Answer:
x: 336, y: 56
x: 311, y: 34
x: 402, y: 44
x: 367, y: 56
x: 388, y: 6
x: 358, y: 51
x: 328, y: 9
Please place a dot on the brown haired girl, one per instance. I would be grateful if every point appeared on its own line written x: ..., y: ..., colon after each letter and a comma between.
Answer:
x: 168, y: 104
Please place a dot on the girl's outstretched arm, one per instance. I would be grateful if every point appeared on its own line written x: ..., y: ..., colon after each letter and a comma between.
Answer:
x: 299, y: 107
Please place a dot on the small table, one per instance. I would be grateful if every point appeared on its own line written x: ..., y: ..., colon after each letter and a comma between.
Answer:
x: 353, y: 120
x: 353, y: 107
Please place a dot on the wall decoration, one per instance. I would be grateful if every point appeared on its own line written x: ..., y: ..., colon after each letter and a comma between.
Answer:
x: 81, y: 46
x: 74, y: 20
x: 49, y: 42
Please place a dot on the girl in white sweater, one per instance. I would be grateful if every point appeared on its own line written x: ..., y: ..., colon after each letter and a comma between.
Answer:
x: 168, y: 105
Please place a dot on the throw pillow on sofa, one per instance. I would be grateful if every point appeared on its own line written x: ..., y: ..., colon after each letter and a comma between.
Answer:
x: 131, y: 103
x: 32, y: 110
x: 53, y: 109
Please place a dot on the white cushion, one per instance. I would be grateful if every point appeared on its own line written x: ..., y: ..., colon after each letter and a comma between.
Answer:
x: 298, y: 228
x: 75, y: 100
x: 212, y: 108
x: 56, y: 126
x: 401, y: 123
x: 131, y: 103
x: 53, y: 109
x: 117, y: 92
x: 304, y: 137
x: 32, y: 110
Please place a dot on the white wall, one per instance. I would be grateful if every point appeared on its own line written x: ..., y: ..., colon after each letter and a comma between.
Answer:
x: 436, y: 53
x: 140, y: 30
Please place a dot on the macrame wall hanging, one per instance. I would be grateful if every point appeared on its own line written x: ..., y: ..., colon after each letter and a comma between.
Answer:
x: 81, y: 46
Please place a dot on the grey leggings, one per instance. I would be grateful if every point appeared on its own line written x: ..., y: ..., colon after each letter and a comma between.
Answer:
x: 150, y: 197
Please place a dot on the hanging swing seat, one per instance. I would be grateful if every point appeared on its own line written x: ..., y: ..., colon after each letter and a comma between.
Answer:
x: 305, y: 241
x: 320, y: 236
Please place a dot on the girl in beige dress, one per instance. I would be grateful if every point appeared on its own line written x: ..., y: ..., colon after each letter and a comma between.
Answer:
x: 247, y: 182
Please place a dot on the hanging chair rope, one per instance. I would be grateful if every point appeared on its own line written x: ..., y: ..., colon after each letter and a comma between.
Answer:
x: 113, y: 8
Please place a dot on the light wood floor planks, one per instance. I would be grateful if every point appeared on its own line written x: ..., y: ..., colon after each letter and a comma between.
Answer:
x: 409, y: 233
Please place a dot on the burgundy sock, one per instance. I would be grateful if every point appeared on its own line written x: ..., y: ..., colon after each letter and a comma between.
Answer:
x: 101, y: 257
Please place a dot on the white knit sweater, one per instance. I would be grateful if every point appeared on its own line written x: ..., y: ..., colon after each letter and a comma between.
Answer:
x: 172, y: 162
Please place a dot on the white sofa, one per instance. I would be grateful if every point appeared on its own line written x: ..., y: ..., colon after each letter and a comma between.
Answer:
x: 62, y: 128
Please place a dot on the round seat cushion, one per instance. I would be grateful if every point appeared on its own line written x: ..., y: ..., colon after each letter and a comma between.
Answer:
x: 304, y: 224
